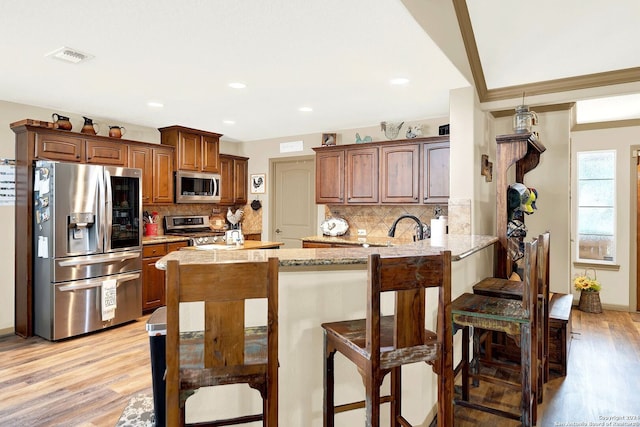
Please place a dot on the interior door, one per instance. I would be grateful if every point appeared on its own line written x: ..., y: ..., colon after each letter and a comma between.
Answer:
x: 293, y: 198
x: 638, y: 233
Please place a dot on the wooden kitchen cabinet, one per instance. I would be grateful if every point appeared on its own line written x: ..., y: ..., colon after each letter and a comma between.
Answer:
x: 195, y: 150
x: 234, y: 179
x: 400, y: 173
x: 102, y: 152
x: 435, y: 188
x: 156, y: 162
x: 330, y: 177
x: 351, y: 171
x: 153, y: 286
x: 59, y: 146
x: 361, y: 175
x: 409, y: 171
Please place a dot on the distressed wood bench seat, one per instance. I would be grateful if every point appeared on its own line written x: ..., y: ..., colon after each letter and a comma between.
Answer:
x: 559, y: 332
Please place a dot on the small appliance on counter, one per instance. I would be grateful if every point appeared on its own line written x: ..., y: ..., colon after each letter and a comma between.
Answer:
x: 196, y: 227
x: 87, y: 245
x: 234, y: 237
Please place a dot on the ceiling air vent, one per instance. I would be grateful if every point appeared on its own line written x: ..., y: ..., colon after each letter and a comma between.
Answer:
x: 69, y: 55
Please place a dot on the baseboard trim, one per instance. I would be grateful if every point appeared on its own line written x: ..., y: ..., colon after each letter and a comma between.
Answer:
x: 7, y: 331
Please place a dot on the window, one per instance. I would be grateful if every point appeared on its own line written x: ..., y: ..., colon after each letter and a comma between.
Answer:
x: 596, y: 206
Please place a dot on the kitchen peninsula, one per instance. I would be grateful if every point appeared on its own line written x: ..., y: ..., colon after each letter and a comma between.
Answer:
x: 320, y: 285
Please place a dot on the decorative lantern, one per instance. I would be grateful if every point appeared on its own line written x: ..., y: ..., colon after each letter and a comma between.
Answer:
x: 524, y: 119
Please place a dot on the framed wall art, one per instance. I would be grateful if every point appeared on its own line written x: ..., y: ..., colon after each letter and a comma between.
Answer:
x: 258, y: 183
x: 328, y: 139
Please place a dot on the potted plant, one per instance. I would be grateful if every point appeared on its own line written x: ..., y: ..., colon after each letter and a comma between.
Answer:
x: 589, y: 288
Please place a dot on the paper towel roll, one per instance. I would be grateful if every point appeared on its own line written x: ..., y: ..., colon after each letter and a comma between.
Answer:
x: 438, y: 229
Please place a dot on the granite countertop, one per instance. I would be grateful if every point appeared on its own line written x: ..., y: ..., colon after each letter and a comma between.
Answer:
x: 154, y: 240
x: 354, y: 240
x: 247, y: 245
x: 460, y: 246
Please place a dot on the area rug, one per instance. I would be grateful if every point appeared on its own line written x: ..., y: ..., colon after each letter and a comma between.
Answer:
x: 138, y: 412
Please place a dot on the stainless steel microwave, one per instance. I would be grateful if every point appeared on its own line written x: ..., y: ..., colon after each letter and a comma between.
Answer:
x: 194, y: 187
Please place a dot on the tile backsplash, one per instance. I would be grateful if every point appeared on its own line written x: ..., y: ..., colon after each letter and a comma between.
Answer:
x: 377, y: 220
x: 251, y: 220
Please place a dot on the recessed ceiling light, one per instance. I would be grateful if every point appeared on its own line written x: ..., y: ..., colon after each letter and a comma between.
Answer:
x: 155, y: 104
x: 229, y: 122
x: 399, y: 81
x: 237, y: 85
x: 305, y: 109
x: 69, y: 54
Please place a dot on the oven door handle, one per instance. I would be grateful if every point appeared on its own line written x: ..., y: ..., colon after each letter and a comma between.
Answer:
x: 98, y: 259
x: 94, y: 283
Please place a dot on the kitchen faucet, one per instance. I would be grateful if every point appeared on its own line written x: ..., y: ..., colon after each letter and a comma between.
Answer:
x: 392, y: 230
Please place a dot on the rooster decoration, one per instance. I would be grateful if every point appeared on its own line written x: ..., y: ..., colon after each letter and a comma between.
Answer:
x: 257, y: 182
x: 234, y: 217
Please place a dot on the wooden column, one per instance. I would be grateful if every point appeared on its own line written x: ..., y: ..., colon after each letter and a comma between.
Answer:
x: 524, y: 151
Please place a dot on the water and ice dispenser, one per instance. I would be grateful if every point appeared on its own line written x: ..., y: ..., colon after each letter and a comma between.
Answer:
x: 82, y: 234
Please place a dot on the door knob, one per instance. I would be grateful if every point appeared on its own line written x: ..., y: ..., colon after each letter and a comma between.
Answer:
x: 278, y: 230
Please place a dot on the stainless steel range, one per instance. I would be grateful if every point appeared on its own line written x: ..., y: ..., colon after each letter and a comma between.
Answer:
x: 194, y: 226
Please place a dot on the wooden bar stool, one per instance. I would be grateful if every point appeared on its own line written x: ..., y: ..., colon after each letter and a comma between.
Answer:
x: 511, y: 289
x: 226, y: 352
x: 513, y: 317
x: 379, y: 345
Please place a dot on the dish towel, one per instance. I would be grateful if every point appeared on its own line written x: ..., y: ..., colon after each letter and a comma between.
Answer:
x: 109, y: 299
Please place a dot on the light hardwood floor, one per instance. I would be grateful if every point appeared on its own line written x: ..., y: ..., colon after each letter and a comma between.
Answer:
x: 85, y: 381
x: 88, y: 381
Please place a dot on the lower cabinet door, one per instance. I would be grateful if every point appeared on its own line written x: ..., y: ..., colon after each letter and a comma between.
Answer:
x: 152, y: 285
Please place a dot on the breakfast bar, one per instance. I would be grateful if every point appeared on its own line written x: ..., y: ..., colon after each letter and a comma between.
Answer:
x: 323, y: 285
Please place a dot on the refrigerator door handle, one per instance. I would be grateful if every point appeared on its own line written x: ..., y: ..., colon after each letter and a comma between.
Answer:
x: 94, y: 283
x: 107, y: 209
x: 98, y: 259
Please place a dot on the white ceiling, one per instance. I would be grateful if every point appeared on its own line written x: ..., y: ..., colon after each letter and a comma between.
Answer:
x: 334, y: 56
x: 551, y: 39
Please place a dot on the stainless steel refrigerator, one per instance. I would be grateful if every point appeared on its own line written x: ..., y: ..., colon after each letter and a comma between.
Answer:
x: 87, y: 248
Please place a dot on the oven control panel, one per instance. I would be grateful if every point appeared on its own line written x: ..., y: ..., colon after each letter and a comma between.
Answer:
x: 205, y: 240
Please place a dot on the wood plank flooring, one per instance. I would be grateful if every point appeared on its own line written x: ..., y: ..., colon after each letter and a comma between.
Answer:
x: 603, y: 379
x: 85, y: 381
x: 88, y: 381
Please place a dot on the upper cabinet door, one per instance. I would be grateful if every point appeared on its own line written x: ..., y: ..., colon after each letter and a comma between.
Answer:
x: 241, y: 180
x: 189, y: 152
x: 106, y: 153
x: 59, y: 147
x: 400, y: 173
x: 330, y: 177
x: 234, y: 180
x: 362, y: 175
x: 140, y: 157
x: 196, y: 150
x: 162, y: 175
x: 210, y: 154
x: 436, y: 173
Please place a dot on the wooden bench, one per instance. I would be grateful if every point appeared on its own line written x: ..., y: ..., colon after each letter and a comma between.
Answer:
x: 559, y: 332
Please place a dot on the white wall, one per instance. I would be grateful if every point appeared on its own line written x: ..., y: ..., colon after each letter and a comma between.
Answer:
x: 618, y: 287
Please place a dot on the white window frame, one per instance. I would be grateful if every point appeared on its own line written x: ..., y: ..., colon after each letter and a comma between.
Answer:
x: 612, y: 260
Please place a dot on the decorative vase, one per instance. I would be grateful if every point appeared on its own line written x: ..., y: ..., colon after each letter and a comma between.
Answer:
x: 590, y: 302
